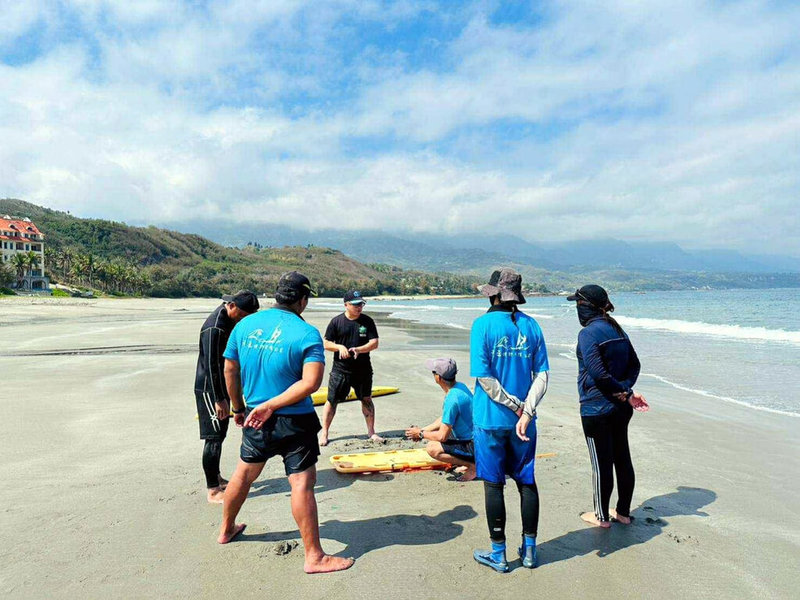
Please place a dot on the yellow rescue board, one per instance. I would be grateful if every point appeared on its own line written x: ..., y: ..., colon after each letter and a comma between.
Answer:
x: 393, y: 460
x: 319, y: 397
x: 389, y: 460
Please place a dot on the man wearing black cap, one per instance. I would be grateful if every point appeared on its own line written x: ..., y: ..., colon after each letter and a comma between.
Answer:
x: 351, y: 336
x: 274, y: 362
x: 210, y: 393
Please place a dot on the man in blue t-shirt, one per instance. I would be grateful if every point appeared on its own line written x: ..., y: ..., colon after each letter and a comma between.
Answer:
x: 508, y: 358
x: 456, y: 419
x: 274, y: 362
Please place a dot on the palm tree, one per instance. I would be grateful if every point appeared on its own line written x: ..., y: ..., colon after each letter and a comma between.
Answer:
x: 50, y: 258
x: 33, y: 261
x: 76, y: 270
x: 19, y: 262
x: 67, y: 258
x: 89, y: 263
x: 103, y: 271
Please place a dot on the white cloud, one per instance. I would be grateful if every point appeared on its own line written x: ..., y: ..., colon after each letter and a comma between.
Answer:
x: 660, y: 120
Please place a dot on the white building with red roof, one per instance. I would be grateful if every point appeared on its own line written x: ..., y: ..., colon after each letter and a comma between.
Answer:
x: 20, y: 236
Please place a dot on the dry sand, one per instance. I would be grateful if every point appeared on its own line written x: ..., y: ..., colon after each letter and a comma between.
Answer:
x: 103, y: 497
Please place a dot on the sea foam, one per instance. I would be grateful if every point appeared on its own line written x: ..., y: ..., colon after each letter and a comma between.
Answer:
x: 736, y: 332
x: 718, y: 397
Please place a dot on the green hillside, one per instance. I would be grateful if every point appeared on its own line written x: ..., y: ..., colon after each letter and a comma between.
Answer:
x: 115, y: 257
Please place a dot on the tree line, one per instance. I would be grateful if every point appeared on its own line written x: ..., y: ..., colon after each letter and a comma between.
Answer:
x: 115, y: 276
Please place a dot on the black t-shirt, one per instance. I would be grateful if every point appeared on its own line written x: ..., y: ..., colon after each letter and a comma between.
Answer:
x: 351, y: 334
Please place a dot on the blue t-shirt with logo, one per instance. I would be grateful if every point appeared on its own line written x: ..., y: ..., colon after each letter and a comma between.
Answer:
x: 457, y: 411
x: 509, y: 351
x: 271, y: 347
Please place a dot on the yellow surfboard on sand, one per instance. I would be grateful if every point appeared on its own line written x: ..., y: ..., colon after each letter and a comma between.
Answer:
x: 319, y: 397
x: 416, y: 459
x: 389, y: 460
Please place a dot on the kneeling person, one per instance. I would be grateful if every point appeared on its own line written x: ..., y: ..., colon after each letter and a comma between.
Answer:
x: 456, y: 419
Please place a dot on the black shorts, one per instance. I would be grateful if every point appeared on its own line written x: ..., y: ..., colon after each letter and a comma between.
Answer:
x: 294, y: 437
x: 211, y: 428
x: 340, y: 382
x: 462, y: 449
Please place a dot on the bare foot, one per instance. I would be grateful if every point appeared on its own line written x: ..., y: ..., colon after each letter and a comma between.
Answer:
x: 328, y: 564
x: 223, y: 483
x: 460, y: 469
x: 216, y: 495
x: 229, y: 536
x: 469, y: 474
x: 590, y: 518
x: 376, y: 438
x: 619, y: 518
x: 323, y: 439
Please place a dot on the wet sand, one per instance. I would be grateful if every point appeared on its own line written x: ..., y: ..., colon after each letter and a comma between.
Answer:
x: 104, y: 493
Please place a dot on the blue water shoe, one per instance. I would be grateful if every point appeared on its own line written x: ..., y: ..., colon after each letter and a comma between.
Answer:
x: 527, y: 552
x: 494, y: 558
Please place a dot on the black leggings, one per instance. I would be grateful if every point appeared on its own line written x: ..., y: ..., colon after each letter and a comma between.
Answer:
x: 607, y: 439
x: 212, y: 452
x: 496, y: 509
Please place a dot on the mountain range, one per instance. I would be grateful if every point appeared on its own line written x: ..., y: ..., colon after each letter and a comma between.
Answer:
x: 170, y: 263
x: 622, y: 265
x: 468, y: 252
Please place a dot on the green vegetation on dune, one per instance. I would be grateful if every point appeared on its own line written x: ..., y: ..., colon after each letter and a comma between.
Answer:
x: 117, y: 258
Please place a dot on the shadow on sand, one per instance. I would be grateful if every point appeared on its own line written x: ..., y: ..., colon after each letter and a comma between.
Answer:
x: 366, y: 535
x: 327, y: 480
x: 648, y: 523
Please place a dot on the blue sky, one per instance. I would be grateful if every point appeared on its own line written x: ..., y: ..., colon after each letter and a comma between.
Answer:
x: 652, y: 120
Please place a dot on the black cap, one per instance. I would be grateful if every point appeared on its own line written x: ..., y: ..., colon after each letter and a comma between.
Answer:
x: 244, y: 300
x: 354, y: 297
x: 593, y: 294
x: 507, y: 284
x: 294, y: 285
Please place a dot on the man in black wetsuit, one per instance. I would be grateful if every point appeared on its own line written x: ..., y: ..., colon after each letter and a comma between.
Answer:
x: 213, y: 404
x: 351, y: 336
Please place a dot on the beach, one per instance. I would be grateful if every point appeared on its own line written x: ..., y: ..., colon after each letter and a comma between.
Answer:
x: 105, y: 493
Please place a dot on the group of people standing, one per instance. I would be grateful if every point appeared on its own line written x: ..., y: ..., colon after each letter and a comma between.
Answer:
x: 263, y: 370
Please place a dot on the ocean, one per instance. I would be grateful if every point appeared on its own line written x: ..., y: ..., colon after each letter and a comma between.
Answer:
x: 740, y: 346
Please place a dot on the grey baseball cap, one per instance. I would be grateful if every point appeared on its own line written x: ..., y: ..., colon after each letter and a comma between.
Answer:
x: 445, y: 368
x: 506, y: 283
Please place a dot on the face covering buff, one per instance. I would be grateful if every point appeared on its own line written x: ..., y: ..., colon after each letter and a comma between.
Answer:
x: 587, y: 312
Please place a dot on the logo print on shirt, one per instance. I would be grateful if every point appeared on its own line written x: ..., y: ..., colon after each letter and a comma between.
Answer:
x: 504, y: 348
x: 256, y: 340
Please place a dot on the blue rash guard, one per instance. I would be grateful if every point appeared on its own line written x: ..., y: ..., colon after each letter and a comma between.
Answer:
x: 510, y: 350
x: 271, y: 347
x: 457, y: 411
x: 607, y: 365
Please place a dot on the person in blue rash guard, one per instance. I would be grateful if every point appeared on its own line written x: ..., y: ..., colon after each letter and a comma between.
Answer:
x: 508, y: 358
x: 456, y: 419
x: 607, y: 371
x: 274, y: 362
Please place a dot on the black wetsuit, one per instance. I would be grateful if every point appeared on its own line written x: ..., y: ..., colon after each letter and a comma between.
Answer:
x: 209, y: 388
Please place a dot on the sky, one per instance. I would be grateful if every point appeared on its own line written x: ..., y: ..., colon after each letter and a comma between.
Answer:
x: 645, y: 120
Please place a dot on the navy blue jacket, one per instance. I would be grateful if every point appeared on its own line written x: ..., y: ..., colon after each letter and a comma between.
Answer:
x: 607, y: 364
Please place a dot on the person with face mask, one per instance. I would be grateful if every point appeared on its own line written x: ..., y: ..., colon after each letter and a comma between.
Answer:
x: 607, y: 371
